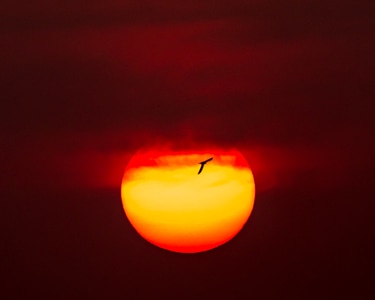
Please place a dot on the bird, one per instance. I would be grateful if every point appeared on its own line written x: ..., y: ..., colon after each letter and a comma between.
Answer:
x: 203, y: 163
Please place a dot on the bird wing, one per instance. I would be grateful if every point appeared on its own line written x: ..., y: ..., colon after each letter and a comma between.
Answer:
x: 201, y: 168
x: 207, y: 160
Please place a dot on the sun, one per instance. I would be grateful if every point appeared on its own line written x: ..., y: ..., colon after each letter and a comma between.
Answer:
x: 173, y: 207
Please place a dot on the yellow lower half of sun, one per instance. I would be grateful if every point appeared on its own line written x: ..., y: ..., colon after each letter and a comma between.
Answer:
x: 174, y: 208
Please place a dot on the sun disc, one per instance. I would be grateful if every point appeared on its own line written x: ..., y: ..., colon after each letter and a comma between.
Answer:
x: 175, y: 208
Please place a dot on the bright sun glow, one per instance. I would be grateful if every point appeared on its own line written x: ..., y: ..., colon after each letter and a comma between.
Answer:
x: 173, y: 207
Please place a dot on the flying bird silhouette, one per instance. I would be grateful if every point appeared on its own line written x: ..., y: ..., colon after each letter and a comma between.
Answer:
x: 203, y: 163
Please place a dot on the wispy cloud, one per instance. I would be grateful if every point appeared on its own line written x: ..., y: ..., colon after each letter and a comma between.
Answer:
x: 269, y: 75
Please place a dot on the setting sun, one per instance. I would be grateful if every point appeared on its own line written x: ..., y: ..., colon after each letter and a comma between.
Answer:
x: 175, y: 208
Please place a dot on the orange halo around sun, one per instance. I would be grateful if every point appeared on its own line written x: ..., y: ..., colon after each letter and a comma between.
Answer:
x: 174, y: 208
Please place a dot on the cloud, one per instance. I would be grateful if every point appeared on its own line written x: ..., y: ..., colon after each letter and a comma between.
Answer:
x: 164, y: 75
x: 286, y: 19
x: 257, y: 75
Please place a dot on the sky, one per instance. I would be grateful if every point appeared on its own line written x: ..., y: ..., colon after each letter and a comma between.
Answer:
x: 85, y: 84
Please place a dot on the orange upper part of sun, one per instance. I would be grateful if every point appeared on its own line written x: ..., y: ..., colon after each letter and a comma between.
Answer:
x: 173, y: 207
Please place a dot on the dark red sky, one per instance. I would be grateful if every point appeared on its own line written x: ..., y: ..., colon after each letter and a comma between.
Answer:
x: 290, y: 83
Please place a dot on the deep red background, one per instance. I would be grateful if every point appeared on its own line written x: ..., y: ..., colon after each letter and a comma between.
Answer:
x: 84, y: 84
